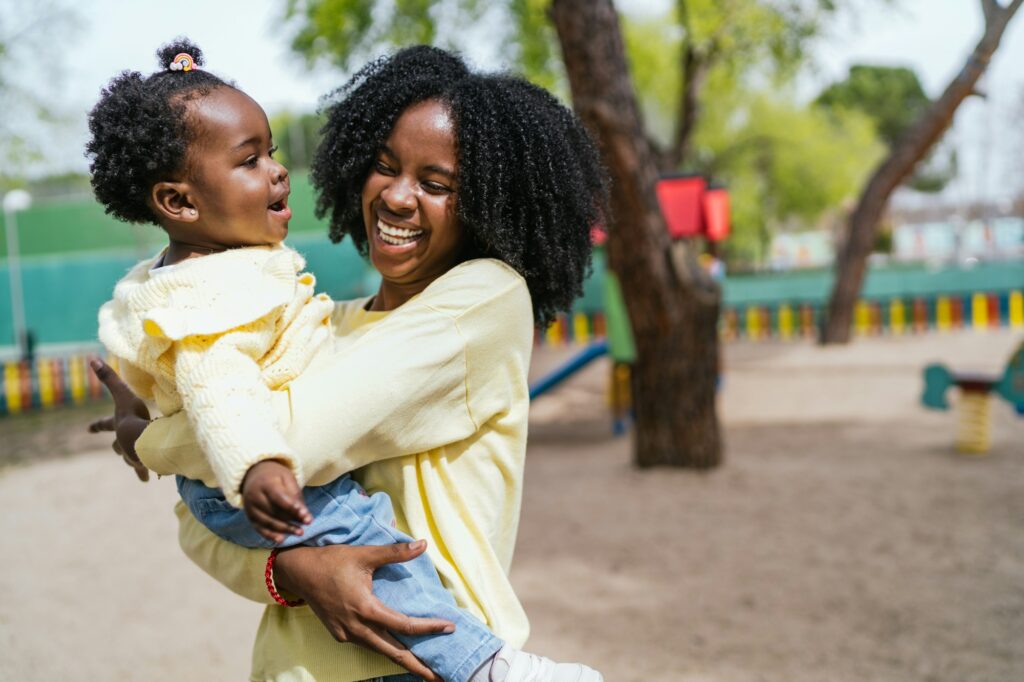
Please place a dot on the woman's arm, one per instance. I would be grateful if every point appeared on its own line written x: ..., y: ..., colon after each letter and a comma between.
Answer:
x: 239, y: 569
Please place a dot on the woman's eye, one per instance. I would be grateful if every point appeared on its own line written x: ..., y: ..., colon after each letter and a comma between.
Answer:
x: 436, y: 188
x: 382, y: 167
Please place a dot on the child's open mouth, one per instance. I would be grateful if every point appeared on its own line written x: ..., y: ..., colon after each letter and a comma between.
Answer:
x: 280, y: 208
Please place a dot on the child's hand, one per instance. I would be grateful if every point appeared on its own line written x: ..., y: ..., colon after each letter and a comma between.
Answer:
x: 130, y: 419
x: 273, y: 501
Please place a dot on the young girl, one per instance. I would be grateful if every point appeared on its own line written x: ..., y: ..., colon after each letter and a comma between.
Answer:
x: 224, y: 316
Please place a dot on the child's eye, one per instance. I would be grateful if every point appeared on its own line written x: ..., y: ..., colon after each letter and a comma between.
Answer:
x: 272, y: 151
x: 251, y: 161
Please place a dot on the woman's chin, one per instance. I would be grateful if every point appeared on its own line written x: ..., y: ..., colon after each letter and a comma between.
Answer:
x: 391, y: 268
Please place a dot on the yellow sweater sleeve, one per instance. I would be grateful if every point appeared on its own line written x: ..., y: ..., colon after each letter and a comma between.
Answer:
x: 228, y: 404
x: 240, y: 570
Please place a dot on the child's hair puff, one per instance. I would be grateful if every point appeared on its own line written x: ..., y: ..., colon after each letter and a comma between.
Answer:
x: 140, y: 134
x: 531, y: 184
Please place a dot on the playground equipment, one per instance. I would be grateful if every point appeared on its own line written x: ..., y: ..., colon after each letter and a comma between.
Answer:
x: 617, y: 342
x: 974, y: 428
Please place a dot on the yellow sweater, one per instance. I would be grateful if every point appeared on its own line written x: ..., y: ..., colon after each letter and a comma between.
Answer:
x: 213, y: 336
x: 431, y: 401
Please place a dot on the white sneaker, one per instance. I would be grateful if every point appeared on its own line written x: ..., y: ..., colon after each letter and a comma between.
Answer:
x: 513, y: 665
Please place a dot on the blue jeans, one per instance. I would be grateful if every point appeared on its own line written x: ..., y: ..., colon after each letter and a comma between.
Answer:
x: 343, y: 514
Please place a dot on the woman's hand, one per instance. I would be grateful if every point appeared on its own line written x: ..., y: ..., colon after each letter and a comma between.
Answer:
x: 130, y: 418
x: 336, y: 582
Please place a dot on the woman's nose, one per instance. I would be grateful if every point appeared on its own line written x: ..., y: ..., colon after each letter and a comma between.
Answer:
x: 398, y: 196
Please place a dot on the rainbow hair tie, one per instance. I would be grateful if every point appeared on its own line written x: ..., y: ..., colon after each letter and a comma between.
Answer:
x: 182, y: 62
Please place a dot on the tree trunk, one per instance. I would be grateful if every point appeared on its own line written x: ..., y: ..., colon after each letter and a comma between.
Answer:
x: 673, y: 305
x: 852, y: 256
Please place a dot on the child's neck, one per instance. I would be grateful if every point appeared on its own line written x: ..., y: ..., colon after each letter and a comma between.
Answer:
x: 178, y: 251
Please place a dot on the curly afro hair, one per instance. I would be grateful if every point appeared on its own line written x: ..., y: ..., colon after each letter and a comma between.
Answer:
x: 140, y: 134
x: 531, y: 184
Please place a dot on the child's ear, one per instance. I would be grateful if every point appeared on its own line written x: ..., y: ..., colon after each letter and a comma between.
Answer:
x: 171, y: 202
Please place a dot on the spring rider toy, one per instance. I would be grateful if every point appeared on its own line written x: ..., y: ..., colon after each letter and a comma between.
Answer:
x: 974, y: 429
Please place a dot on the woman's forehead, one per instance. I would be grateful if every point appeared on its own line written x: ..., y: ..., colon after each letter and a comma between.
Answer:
x: 424, y: 129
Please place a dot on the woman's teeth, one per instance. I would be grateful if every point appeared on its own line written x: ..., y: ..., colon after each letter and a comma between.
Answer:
x: 397, y: 236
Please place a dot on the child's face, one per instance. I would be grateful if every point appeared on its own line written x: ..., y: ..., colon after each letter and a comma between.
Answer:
x: 238, y: 191
x: 409, y: 200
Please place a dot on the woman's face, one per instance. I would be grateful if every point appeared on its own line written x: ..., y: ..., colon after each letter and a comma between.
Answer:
x: 409, y: 203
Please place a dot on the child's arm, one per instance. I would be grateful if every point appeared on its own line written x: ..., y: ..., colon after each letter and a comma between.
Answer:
x: 228, y: 405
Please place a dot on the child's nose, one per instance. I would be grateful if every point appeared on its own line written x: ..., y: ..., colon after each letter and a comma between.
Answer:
x: 279, y: 172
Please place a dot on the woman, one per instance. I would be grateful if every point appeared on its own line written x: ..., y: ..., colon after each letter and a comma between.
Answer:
x: 473, y: 196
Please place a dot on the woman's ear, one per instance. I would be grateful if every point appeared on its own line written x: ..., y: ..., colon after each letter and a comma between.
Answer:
x: 171, y: 202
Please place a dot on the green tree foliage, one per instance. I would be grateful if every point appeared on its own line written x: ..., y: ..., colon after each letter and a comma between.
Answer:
x: 786, y: 165
x: 346, y: 33
x: 754, y: 42
x: 892, y: 96
x: 894, y: 99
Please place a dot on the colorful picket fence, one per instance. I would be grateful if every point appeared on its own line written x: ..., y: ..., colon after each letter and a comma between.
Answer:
x: 47, y: 383
x: 794, y: 320
x: 894, y: 317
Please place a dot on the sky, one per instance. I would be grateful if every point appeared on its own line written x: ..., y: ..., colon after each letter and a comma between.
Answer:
x: 244, y: 40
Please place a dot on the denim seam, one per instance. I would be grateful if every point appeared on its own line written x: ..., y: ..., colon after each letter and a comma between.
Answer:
x: 461, y: 673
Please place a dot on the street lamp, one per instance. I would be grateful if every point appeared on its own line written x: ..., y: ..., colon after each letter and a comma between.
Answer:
x: 14, y: 201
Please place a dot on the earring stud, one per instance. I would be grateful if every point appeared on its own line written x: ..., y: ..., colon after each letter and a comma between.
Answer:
x: 192, y: 211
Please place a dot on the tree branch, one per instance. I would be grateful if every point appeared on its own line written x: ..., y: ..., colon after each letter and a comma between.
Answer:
x: 988, y: 9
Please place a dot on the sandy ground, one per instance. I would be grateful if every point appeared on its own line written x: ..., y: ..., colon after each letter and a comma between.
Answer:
x: 842, y: 540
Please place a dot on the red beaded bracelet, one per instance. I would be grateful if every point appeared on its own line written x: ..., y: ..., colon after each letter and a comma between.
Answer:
x: 269, y: 575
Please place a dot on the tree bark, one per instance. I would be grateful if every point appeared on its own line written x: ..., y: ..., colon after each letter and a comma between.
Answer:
x: 852, y: 256
x: 673, y: 305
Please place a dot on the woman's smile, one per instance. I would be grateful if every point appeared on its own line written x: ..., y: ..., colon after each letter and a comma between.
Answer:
x: 397, y: 237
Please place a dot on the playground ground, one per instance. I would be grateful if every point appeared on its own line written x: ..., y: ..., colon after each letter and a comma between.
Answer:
x: 842, y: 540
